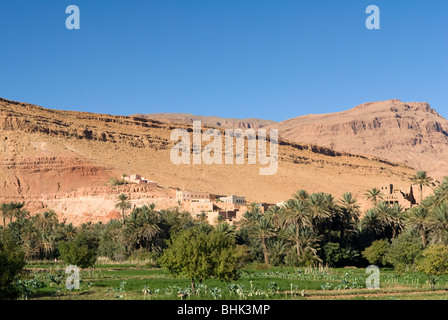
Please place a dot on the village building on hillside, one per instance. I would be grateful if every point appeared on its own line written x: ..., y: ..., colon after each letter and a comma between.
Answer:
x: 404, y: 197
x: 280, y: 204
x: 196, y: 207
x: 233, y: 199
x: 137, y: 179
x: 182, y: 196
x: 230, y: 208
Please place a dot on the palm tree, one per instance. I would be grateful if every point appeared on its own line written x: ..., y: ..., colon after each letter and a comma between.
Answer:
x: 350, y: 206
x: 349, y: 212
x: 225, y: 228
x: 318, y: 209
x: 254, y: 207
x: 332, y: 210
x: 69, y: 231
x: 291, y: 233
x: 263, y: 229
x: 301, y: 195
x: 203, y: 217
x: 308, y: 245
x: 374, y: 195
x: 296, y: 213
x: 439, y: 223
x: 417, y: 218
x: 149, y: 229
x: 396, y: 219
x: 219, y: 219
x: 17, y: 210
x: 387, y: 218
x: 123, y: 204
x: 275, y: 212
x: 441, y: 192
x: 47, y: 221
x: 278, y: 249
x: 421, y: 179
x: 12, y: 210
x: 142, y: 229
x: 45, y: 239
x: 5, y: 212
x: 251, y: 217
x: 372, y: 221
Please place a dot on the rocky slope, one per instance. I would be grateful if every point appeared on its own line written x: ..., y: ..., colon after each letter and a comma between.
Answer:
x: 95, y: 204
x: 210, y: 121
x: 49, y: 155
x: 409, y: 132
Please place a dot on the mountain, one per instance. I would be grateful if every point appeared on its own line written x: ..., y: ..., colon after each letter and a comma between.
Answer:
x: 62, y: 160
x: 409, y: 132
x: 209, y: 121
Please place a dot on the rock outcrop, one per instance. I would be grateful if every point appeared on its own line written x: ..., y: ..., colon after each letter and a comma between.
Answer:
x: 61, y: 160
x: 409, y: 132
x: 95, y: 204
x: 209, y: 121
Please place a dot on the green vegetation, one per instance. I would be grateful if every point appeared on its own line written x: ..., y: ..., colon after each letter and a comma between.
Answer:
x: 434, y: 263
x: 421, y: 179
x: 123, y: 204
x: 200, y: 254
x: 300, y: 240
x: 81, y: 251
x: 12, y: 261
x: 12, y: 210
x: 114, y: 181
x: 376, y: 253
x: 132, y: 281
x: 404, y: 250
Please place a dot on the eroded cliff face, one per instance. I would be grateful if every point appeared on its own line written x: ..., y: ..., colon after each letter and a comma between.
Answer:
x: 50, y: 156
x: 409, y: 132
x: 27, y: 118
x: 210, y: 121
x: 25, y: 175
x: 95, y: 204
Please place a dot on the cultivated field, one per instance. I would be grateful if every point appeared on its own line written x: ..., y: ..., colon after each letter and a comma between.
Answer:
x: 135, y: 282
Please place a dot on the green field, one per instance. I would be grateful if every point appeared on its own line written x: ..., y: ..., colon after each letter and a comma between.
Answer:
x: 128, y: 281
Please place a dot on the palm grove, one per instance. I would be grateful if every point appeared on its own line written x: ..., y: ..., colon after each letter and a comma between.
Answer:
x: 308, y: 230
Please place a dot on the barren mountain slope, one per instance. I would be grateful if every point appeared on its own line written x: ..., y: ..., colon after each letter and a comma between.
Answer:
x: 412, y: 133
x: 210, y: 121
x: 48, y: 152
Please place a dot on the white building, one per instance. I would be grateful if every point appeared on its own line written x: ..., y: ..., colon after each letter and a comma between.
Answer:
x: 234, y: 200
x: 183, y: 195
x: 135, y: 178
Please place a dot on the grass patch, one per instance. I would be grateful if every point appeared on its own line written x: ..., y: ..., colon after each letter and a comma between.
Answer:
x: 130, y: 282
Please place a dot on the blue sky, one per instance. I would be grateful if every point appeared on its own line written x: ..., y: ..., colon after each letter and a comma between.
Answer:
x: 271, y: 59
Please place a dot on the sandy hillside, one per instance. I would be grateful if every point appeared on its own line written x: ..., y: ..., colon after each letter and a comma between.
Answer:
x: 51, y: 152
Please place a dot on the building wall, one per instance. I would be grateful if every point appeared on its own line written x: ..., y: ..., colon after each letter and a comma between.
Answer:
x: 137, y: 179
x: 200, y: 206
x: 392, y: 195
x: 233, y: 199
x: 226, y: 206
x: 183, y: 196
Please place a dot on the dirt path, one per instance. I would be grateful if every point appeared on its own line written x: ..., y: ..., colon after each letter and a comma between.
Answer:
x: 379, y: 294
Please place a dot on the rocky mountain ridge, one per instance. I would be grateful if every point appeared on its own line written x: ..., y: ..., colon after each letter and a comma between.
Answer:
x: 409, y: 132
x: 49, y: 156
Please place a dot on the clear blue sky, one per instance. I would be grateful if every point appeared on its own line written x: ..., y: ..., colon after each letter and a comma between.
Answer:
x: 271, y: 59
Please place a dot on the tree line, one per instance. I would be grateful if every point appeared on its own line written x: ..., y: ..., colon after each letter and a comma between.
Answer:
x: 307, y: 230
